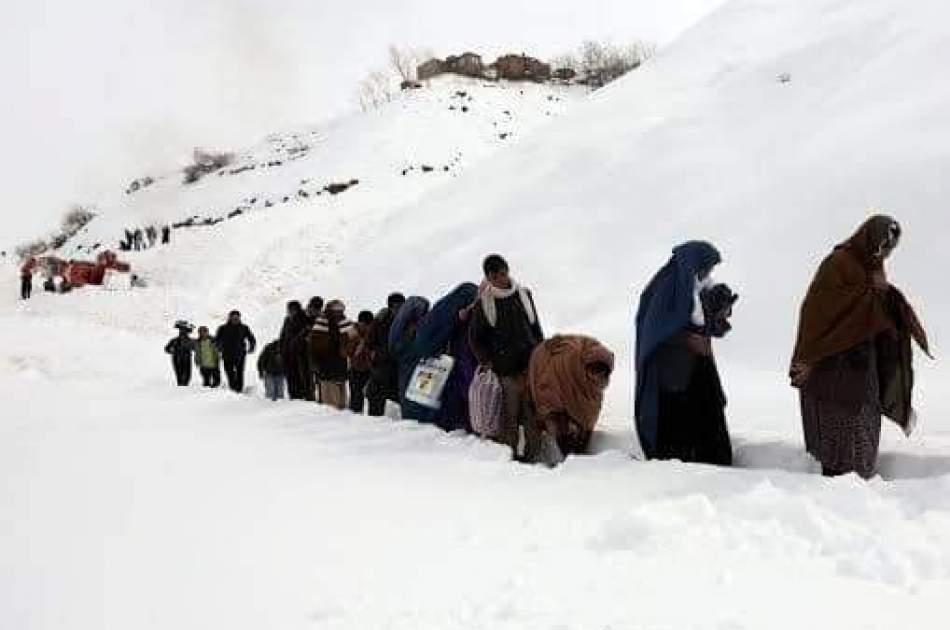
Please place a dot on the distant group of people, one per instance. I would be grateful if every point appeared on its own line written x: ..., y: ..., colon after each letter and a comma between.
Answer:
x: 230, y: 346
x: 477, y: 360
x: 138, y: 239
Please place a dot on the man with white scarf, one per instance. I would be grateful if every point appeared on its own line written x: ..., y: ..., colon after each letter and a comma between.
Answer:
x: 504, y: 332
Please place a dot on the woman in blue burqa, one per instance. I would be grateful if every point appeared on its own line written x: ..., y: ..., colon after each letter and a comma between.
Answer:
x: 443, y: 330
x: 402, y: 343
x: 419, y: 333
x: 680, y: 404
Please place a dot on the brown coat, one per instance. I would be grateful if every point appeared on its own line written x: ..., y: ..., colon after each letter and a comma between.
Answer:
x: 357, y: 350
x: 844, y: 307
x: 559, y: 382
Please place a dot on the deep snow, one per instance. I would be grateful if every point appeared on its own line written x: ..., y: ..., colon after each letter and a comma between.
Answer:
x: 127, y: 503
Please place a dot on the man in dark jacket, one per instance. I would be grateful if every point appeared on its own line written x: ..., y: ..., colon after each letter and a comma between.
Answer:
x: 26, y: 278
x: 328, y: 341
x: 235, y: 341
x: 505, y: 330
x: 292, y: 335
x: 180, y: 349
x: 384, y: 372
x: 270, y: 368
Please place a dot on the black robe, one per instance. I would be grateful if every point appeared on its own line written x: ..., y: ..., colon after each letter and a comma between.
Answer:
x: 692, y: 420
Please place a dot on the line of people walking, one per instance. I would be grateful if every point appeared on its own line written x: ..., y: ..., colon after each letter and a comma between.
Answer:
x: 477, y: 360
x: 139, y: 239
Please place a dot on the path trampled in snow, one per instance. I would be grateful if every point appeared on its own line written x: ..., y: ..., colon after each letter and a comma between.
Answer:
x: 132, y: 503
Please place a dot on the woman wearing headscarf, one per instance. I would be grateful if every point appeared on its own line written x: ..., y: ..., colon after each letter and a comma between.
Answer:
x: 679, y: 401
x: 444, y: 330
x: 852, y: 358
x: 402, y: 345
x: 567, y: 377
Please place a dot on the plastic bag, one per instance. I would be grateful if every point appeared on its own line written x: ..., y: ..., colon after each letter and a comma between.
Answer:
x: 485, y: 403
x: 428, y: 381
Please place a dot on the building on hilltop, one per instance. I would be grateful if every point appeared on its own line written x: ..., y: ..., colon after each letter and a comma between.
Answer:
x: 431, y: 68
x: 510, y: 67
x: 521, y: 68
x: 467, y: 64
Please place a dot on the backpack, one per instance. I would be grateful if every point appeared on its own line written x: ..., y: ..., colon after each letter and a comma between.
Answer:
x: 485, y: 403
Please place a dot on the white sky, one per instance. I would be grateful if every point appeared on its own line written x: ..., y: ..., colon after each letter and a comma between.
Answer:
x: 98, y: 92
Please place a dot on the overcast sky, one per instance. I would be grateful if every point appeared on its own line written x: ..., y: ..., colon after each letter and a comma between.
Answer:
x: 101, y: 91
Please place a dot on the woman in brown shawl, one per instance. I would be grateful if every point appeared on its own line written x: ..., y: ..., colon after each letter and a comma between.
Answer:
x: 852, y: 359
x: 567, y: 377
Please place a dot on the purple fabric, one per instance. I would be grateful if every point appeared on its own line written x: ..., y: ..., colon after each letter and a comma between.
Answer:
x: 486, y: 403
x: 454, y: 414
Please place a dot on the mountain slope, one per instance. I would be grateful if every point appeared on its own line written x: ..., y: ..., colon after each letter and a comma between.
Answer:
x: 266, y: 228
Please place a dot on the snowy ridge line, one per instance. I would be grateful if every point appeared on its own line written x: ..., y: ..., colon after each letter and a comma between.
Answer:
x: 417, y: 129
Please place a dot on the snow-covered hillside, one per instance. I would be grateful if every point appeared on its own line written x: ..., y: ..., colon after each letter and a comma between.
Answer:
x: 127, y: 503
x: 266, y: 227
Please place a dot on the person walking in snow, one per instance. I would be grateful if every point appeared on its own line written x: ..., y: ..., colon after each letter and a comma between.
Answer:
x: 360, y: 360
x: 26, y: 278
x: 384, y: 373
x: 853, y: 359
x: 270, y: 368
x: 235, y: 341
x: 680, y: 403
x: 505, y: 330
x: 402, y: 348
x: 293, y: 334
x: 166, y: 234
x: 328, y: 350
x: 567, y: 378
x: 152, y: 234
x: 137, y: 239
x: 207, y: 358
x: 444, y: 331
x: 309, y: 379
x: 180, y: 349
